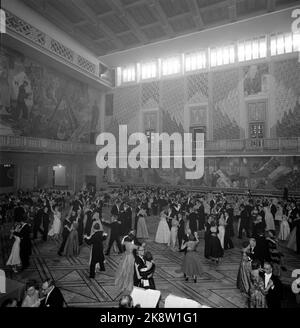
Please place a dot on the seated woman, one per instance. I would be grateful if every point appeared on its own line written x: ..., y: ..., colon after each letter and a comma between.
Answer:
x: 32, y: 295
x: 147, y: 272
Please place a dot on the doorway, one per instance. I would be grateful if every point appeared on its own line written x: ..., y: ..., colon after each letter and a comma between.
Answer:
x: 59, y: 175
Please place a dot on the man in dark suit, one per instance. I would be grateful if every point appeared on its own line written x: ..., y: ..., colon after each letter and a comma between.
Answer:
x: 25, y: 244
x: 192, y: 219
x: 244, y: 223
x: 139, y: 263
x: 274, y: 294
x: 53, y: 296
x: 46, y: 221
x: 115, y: 233
x: 37, y: 221
x: 97, y: 256
x: 116, y: 209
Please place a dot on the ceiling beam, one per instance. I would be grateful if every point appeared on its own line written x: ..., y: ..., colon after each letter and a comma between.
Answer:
x: 92, y: 17
x: 158, y: 11
x: 232, y: 10
x: 194, y: 9
x: 121, y: 12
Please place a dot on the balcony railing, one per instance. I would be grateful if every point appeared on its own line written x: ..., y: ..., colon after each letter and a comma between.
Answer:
x: 19, y: 143
x: 218, y: 147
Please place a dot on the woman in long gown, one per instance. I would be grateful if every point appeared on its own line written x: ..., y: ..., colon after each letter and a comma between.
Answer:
x: 243, y: 276
x: 270, y: 225
x: 125, y: 270
x: 174, y: 231
x: 163, y: 231
x: 56, y: 225
x: 14, y: 259
x: 207, y: 237
x: 191, y: 265
x: 142, y: 231
x: 284, y: 229
x: 72, y: 243
x: 215, y: 248
x: 221, y: 228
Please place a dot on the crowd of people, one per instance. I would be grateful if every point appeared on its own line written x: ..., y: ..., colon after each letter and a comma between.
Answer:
x: 184, y: 217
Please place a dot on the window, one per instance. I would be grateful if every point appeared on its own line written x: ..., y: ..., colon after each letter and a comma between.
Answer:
x: 284, y: 43
x: 149, y: 70
x: 171, y: 66
x: 222, y: 56
x: 195, y: 61
x: 252, y: 49
x: 129, y: 74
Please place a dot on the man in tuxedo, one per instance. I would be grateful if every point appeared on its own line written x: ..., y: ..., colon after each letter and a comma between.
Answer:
x: 274, y: 294
x: 200, y: 215
x: 139, y: 263
x: 37, y: 220
x: 97, y: 256
x: 193, y: 220
x: 181, y: 230
x: 25, y: 244
x: 126, y: 219
x: 116, y: 209
x: 244, y: 223
x: 53, y: 296
x: 115, y: 233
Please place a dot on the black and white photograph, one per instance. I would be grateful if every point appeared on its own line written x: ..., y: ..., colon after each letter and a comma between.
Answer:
x: 150, y: 156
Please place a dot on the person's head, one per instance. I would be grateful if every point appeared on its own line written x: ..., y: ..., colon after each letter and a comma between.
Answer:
x: 96, y: 226
x: 31, y: 287
x: 47, y: 286
x: 148, y: 256
x: 268, y: 268
x: 255, y: 265
x: 252, y: 242
x: 191, y: 237
x: 141, y: 251
x: 126, y: 301
x: 10, y: 302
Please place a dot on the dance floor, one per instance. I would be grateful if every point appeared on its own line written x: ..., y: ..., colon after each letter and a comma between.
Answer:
x: 216, y: 287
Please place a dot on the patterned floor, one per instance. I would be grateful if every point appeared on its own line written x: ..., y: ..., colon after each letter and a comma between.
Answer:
x: 215, y: 288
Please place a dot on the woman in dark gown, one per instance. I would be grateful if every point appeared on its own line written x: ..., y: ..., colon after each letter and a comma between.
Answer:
x: 207, y: 236
x: 215, y: 248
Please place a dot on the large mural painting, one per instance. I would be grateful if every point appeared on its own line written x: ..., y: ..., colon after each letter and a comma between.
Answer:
x: 38, y: 101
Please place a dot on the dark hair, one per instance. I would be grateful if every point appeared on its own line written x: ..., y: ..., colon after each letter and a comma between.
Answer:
x: 148, y: 256
x: 31, y: 283
x: 126, y: 301
x: 97, y: 226
x: 9, y: 301
x: 255, y: 264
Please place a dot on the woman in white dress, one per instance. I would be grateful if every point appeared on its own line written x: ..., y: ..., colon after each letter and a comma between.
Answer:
x: 163, y: 233
x: 56, y: 225
x: 279, y: 214
x: 284, y: 228
x: 221, y: 228
x: 141, y: 230
x: 14, y: 259
x: 174, y: 231
x: 270, y: 225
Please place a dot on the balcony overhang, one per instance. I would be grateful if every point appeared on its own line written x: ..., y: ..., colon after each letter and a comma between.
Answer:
x: 31, y: 42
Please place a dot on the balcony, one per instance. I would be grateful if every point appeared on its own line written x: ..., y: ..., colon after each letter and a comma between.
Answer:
x: 238, y: 147
x: 27, y: 144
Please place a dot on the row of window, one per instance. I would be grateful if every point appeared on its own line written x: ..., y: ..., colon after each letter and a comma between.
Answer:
x: 212, y: 57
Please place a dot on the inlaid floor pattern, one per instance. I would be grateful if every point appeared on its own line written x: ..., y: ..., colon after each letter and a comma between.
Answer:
x: 216, y: 287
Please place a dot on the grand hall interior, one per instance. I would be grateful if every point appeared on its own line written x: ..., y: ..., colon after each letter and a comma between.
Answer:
x: 150, y: 153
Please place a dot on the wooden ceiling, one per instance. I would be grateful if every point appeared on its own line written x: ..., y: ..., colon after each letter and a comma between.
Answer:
x: 109, y: 26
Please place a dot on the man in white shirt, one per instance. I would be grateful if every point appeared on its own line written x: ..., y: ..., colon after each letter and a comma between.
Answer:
x: 274, y: 294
